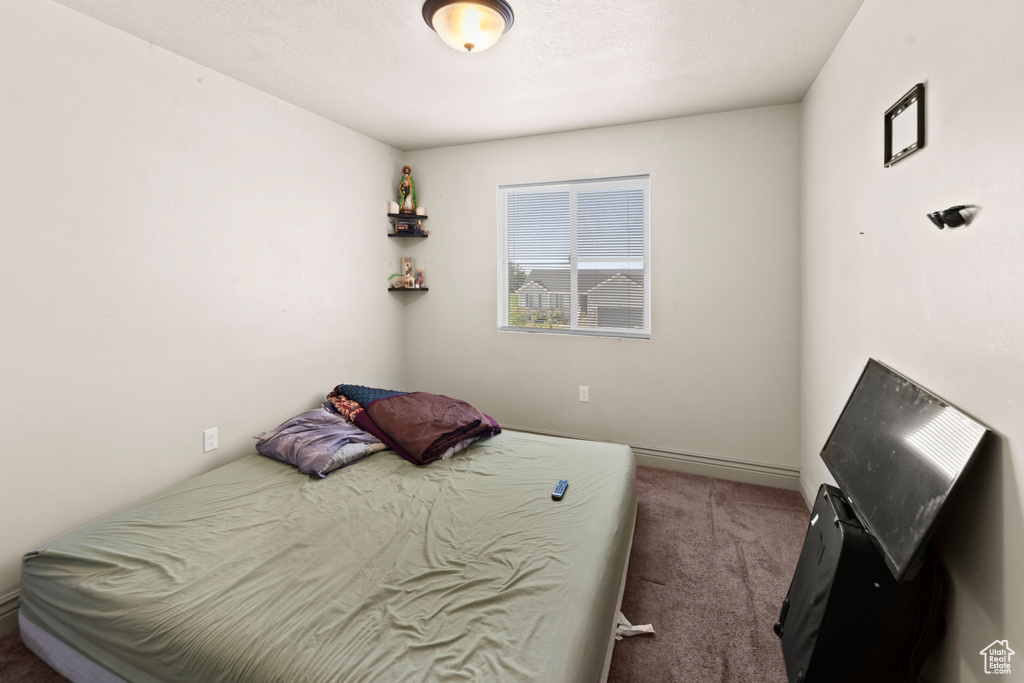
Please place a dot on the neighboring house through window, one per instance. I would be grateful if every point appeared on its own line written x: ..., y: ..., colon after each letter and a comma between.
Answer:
x: 574, y: 257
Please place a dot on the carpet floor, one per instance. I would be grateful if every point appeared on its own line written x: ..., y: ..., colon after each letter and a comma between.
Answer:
x: 711, y: 562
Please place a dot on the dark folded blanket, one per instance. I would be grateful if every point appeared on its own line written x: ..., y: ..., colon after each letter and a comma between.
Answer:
x: 419, y: 426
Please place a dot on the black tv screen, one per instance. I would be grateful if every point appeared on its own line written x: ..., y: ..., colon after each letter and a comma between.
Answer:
x: 898, y: 453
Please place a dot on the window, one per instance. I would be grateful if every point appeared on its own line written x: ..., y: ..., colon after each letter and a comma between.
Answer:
x: 574, y: 257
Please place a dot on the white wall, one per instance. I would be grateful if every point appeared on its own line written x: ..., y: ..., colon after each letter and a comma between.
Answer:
x: 945, y: 308
x: 179, y: 251
x: 719, y: 375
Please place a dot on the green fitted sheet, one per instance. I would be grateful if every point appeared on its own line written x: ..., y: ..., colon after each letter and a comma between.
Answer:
x: 463, y: 570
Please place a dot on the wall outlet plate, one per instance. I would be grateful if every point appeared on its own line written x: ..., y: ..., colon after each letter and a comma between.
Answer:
x: 584, y: 394
x: 209, y: 439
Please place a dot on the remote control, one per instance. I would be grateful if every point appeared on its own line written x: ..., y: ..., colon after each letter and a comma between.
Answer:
x: 560, y: 488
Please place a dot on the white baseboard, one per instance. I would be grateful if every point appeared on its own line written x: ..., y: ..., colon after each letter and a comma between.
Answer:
x: 766, y: 474
x: 809, y: 491
x: 8, y: 613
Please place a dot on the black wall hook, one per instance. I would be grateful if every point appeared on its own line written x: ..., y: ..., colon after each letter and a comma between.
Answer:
x: 951, y: 217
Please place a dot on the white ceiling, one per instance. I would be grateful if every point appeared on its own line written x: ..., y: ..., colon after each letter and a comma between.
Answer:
x: 377, y: 68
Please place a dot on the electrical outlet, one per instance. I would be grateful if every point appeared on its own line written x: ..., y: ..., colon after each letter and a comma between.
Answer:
x: 584, y: 394
x: 209, y: 439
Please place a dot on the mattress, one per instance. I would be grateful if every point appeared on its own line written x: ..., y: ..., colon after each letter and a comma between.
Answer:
x: 465, y: 569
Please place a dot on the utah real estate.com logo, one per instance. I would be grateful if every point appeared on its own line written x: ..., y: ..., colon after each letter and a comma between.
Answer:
x: 997, y: 657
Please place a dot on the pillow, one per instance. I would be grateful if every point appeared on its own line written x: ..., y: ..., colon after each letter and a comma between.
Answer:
x: 317, y: 442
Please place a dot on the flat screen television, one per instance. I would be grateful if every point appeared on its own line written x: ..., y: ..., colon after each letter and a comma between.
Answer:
x: 898, y: 452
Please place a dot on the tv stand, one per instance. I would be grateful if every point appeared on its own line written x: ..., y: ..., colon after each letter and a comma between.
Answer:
x: 845, y: 617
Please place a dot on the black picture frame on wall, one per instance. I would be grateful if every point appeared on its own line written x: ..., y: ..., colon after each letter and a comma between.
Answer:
x: 904, y: 126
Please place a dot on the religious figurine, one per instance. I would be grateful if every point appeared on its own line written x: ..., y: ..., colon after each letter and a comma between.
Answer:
x: 410, y: 282
x: 406, y: 192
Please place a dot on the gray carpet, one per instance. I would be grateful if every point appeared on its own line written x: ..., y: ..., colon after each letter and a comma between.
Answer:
x: 711, y: 562
x: 18, y: 664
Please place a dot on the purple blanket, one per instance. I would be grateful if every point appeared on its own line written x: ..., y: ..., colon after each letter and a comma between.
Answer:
x: 419, y: 426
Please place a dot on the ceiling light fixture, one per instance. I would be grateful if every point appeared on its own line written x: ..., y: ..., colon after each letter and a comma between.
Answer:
x: 468, y: 25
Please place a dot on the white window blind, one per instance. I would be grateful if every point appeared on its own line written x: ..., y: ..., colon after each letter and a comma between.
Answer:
x: 574, y: 257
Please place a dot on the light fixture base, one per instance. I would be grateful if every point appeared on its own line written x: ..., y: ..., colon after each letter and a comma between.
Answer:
x: 430, y: 8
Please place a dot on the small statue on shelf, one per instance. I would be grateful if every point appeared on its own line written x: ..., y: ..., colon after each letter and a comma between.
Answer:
x: 407, y: 192
x: 407, y: 273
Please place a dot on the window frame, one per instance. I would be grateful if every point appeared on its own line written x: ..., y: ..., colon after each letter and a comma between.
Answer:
x: 641, y: 182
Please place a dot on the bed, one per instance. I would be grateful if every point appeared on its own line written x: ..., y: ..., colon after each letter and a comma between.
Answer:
x: 464, y: 569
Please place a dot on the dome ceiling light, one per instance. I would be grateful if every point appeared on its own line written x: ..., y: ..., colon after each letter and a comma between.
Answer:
x: 468, y: 25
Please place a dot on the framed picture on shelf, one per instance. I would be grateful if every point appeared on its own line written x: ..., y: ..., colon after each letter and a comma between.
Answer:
x: 420, y: 278
x: 406, y: 267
